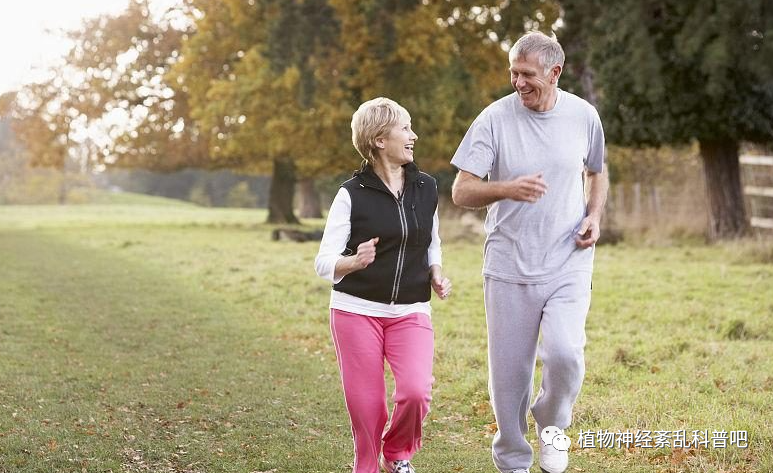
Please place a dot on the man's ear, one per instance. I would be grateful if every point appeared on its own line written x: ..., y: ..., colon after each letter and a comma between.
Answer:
x: 555, y: 73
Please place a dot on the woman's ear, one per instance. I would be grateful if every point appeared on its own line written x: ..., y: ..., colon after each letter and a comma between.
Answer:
x: 379, y: 143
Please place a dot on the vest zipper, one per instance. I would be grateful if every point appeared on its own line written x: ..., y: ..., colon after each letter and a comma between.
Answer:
x: 403, y: 241
x: 401, y: 252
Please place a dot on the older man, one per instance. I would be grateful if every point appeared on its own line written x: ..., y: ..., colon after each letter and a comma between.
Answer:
x: 535, y: 146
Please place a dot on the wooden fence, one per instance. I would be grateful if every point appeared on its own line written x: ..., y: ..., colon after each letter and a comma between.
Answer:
x: 667, y: 208
x: 757, y: 176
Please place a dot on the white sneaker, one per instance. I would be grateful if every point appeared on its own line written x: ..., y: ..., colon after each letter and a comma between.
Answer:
x: 552, y: 460
x: 397, y: 466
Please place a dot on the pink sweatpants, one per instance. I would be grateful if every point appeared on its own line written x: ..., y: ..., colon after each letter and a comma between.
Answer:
x: 362, y: 343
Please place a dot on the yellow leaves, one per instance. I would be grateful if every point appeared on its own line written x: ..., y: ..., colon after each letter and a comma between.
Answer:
x: 297, y: 89
x: 274, y: 125
x: 421, y: 41
x: 288, y: 81
x: 6, y: 103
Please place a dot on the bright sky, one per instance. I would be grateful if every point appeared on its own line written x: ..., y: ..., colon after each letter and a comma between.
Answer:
x: 24, y: 42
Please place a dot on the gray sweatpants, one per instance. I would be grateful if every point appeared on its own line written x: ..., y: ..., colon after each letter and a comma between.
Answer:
x: 515, y: 315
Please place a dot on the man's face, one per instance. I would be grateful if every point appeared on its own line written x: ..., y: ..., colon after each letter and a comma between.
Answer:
x: 534, y: 86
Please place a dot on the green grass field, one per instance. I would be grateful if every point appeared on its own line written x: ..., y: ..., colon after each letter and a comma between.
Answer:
x: 150, y: 336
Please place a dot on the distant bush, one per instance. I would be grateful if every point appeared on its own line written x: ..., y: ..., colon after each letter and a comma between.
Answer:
x: 33, y: 187
x: 240, y: 195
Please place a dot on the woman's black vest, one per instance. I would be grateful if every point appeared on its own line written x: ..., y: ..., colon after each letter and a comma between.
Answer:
x: 400, y: 273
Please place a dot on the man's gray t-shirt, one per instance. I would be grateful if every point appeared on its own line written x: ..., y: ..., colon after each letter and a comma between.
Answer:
x: 533, y: 243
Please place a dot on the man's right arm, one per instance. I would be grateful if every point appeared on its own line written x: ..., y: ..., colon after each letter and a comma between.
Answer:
x: 471, y: 191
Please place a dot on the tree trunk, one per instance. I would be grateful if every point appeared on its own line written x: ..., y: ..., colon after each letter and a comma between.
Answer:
x: 62, y: 198
x: 727, y: 214
x: 586, y: 79
x: 310, y: 205
x: 280, y: 199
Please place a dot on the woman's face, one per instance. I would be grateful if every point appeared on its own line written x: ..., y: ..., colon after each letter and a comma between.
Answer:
x: 397, y: 146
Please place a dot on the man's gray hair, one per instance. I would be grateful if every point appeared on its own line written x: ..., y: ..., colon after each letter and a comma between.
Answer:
x: 548, y: 50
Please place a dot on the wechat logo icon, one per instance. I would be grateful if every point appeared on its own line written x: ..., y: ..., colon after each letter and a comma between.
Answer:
x: 554, y: 436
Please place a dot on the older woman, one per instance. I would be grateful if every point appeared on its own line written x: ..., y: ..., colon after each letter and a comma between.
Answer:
x: 381, y: 251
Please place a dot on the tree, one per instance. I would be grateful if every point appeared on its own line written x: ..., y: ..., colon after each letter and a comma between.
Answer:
x: 276, y: 82
x: 107, y: 101
x: 672, y: 71
x: 44, y: 117
x: 444, y: 61
x: 263, y: 82
x: 269, y: 86
x: 125, y: 62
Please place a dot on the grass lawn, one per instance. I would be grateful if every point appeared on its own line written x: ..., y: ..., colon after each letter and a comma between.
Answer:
x: 141, y: 336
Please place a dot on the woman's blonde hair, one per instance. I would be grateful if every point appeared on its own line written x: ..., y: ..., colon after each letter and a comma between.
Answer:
x: 373, y: 120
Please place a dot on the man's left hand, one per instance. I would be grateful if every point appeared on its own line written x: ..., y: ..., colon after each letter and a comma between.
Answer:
x: 588, y: 234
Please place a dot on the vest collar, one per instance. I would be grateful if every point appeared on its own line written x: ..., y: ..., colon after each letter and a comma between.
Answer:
x: 368, y: 176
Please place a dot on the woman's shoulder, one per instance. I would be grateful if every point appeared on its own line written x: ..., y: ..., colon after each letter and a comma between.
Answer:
x: 427, y: 178
x: 343, y: 195
x: 427, y: 184
x: 353, y: 181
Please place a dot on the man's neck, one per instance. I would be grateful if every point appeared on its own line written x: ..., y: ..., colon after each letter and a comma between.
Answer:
x: 550, y: 101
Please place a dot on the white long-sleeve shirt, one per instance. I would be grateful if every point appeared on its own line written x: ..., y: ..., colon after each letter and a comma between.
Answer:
x: 334, y: 239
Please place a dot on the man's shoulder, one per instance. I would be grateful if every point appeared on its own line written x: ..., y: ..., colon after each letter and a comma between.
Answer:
x: 502, y: 106
x: 578, y: 103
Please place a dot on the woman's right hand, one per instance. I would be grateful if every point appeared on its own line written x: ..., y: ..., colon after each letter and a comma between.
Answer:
x: 366, y: 253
